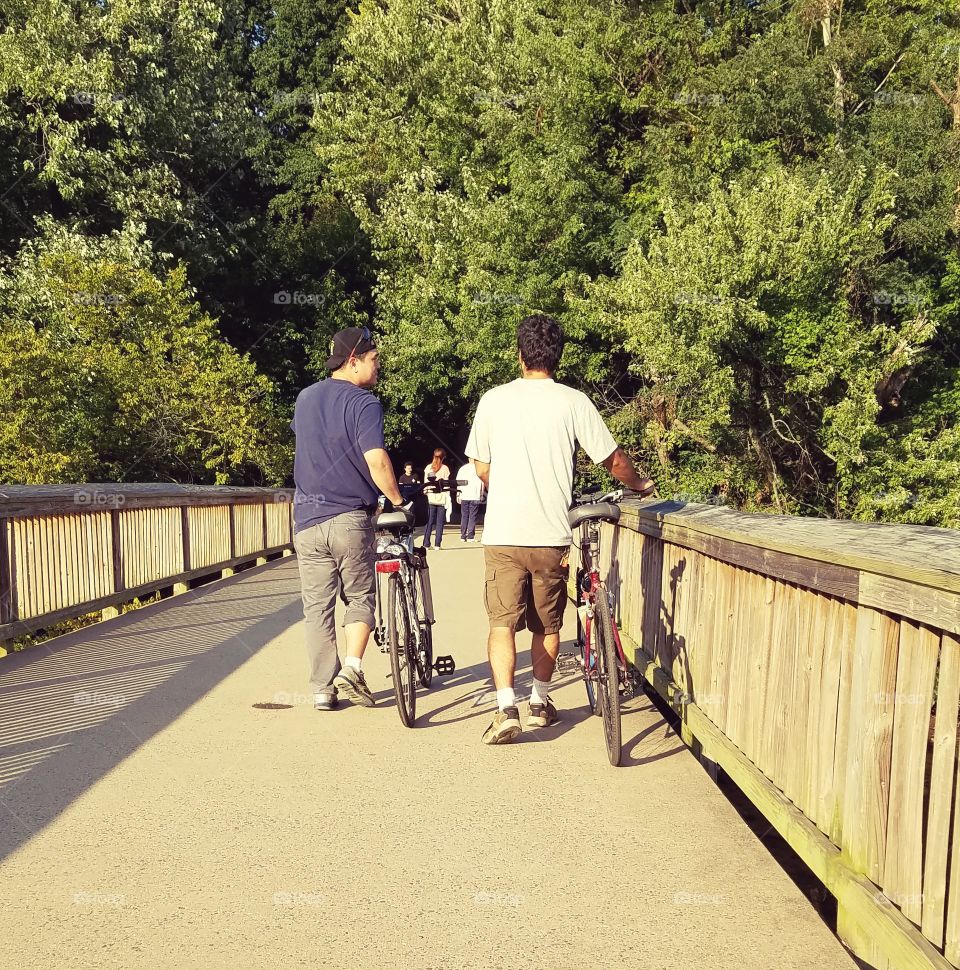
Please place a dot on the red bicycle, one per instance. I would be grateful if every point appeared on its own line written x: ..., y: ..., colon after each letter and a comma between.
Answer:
x: 602, y: 662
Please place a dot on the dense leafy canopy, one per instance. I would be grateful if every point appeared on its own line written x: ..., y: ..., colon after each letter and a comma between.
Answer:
x: 744, y: 214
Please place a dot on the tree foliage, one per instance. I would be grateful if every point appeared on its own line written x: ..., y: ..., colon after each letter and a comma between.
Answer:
x: 744, y: 215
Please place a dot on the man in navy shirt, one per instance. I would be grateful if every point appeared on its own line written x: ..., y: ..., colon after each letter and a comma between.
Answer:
x: 340, y: 467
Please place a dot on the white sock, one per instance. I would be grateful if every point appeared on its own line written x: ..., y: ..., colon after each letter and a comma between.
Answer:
x: 506, y: 698
x: 538, y: 695
x: 352, y: 662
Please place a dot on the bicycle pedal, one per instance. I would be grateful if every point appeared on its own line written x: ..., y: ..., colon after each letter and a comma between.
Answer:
x: 444, y: 665
x: 568, y: 661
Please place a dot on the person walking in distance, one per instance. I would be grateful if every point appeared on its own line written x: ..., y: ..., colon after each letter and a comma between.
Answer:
x: 522, y: 442
x: 340, y: 467
x: 438, y: 500
x: 469, y: 496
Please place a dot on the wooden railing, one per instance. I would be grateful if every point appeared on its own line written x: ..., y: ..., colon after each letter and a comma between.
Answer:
x: 70, y: 550
x: 818, y: 664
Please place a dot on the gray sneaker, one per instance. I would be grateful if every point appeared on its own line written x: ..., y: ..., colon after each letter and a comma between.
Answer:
x: 504, y: 727
x: 351, y: 682
x: 325, y: 701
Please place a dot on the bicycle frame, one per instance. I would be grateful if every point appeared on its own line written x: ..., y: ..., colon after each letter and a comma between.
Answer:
x: 589, y: 570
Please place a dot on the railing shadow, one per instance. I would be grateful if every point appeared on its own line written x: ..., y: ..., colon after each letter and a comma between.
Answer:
x: 73, y: 709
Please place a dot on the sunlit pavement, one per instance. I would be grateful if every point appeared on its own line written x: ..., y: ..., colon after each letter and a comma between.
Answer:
x: 153, y: 817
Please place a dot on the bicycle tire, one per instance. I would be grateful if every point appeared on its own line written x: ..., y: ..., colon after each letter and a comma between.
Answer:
x: 608, y: 668
x: 401, y: 662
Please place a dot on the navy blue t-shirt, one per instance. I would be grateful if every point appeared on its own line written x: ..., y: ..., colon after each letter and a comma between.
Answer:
x: 335, y: 423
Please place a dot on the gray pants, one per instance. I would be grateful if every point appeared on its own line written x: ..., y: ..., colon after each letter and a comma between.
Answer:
x: 334, y: 556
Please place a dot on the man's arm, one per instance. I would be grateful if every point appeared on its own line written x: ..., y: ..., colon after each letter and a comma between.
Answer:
x: 381, y: 471
x: 483, y: 471
x: 619, y: 465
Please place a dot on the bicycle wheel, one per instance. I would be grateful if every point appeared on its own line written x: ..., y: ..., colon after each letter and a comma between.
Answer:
x: 608, y: 670
x: 402, y: 664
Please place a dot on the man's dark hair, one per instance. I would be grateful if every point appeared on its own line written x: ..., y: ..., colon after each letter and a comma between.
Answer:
x: 540, y: 340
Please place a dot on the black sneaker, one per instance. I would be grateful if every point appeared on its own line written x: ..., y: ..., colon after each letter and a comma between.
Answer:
x: 350, y: 681
x: 326, y: 701
x: 504, y: 727
x: 542, y: 715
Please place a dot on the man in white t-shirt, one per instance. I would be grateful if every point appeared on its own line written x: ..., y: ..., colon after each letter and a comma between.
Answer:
x: 522, y: 442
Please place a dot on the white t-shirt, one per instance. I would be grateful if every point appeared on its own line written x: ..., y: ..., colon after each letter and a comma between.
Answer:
x: 528, y: 431
x: 473, y: 490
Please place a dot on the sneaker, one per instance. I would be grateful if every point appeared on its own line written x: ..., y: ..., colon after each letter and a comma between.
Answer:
x: 504, y: 727
x: 326, y: 701
x: 351, y: 682
x: 542, y: 715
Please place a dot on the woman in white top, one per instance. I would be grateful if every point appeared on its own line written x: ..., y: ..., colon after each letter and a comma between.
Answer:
x: 438, y: 501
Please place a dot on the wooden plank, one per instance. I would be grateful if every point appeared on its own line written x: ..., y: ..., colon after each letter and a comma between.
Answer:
x: 817, y: 612
x: 937, y: 848
x: 31, y: 624
x: 864, y: 828
x: 842, y: 581
x: 919, y: 554
x: 825, y: 737
x: 916, y: 672
x: 6, y: 573
x: 17, y: 501
x: 116, y: 544
x: 886, y: 927
x: 847, y: 620
x: 652, y: 579
x: 934, y: 607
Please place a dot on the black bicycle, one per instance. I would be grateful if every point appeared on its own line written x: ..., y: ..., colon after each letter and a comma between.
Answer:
x: 407, y: 634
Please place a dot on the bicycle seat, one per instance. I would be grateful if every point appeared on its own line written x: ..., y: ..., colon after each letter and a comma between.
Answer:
x: 602, y: 511
x: 393, y: 520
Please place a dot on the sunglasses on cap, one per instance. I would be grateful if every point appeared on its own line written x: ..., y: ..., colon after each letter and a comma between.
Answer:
x: 364, y: 335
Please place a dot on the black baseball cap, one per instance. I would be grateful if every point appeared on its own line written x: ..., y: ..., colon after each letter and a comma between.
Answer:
x: 353, y: 340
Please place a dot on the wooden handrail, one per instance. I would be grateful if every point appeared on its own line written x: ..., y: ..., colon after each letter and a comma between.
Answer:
x: 69, y: 550
x: 810, y: 659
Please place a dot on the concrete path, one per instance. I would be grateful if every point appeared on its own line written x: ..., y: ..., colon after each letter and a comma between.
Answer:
x: 150, y: 816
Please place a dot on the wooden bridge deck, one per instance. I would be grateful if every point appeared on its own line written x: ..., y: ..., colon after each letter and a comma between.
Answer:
x: 150, y: 816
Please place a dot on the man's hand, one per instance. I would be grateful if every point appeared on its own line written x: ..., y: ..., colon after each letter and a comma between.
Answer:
x: 621, y: 467
x: 381, y: 471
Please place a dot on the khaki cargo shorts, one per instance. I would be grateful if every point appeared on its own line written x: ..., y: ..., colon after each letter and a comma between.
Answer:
x: 526, y: 586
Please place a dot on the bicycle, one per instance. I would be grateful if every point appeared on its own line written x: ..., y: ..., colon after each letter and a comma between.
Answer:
x: 602, y: 662
x: 407, y: 635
